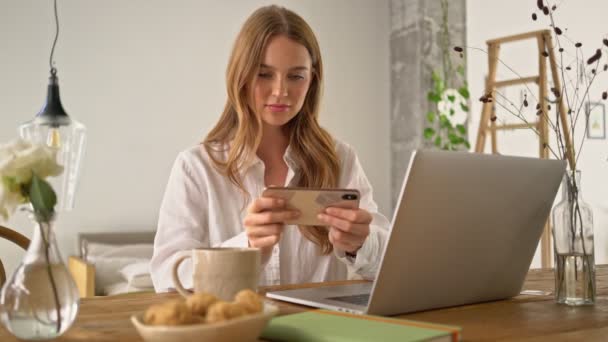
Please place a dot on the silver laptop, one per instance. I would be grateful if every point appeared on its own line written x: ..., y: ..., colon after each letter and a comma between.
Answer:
x: 465, y: 230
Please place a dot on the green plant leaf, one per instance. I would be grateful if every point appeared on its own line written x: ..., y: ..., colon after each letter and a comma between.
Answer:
x: 430, y: 116
x: 452, y: 111
x: 451, y: 98
x: 460, y: 70
x: 43, y: 198
x: 466, y: 143
x: 439, y: 87
x: 461, y: 129
x: 464, y: 92
x: 444, y: 122
x: 454, y: 139
x: 435, y: 76
x: 429, y: 133
x: 464, y: 107
x: 438, y: 141
x: 438, y: 84
x: 433, y: 97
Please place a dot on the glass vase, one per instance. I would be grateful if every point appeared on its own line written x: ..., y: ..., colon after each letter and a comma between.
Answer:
x: 40, y: 300
x: 573, y: 245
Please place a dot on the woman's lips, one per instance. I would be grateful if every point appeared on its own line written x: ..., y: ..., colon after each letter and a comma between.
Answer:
x: 278, y: 108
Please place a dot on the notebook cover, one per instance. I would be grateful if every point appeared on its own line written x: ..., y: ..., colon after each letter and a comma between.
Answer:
x: 325, y: 325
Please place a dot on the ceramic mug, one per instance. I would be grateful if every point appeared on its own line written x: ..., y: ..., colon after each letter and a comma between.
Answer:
x: 221, y: 271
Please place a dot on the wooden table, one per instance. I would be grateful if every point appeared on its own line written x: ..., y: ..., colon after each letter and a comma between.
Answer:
x: 523, y: 318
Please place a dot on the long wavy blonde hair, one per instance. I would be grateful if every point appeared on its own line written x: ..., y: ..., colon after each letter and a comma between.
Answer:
x: 239, y: 129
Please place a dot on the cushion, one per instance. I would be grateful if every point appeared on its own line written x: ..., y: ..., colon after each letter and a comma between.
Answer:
x: 122, y: 287
x: 110, y: 259
x: 107, y: 270
x: 137, y: 274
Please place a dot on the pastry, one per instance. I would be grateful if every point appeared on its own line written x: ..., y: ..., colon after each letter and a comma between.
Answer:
x: 198, y: 303
x: 174, y: 312
x: 249, y: 300
x: 222, y: 311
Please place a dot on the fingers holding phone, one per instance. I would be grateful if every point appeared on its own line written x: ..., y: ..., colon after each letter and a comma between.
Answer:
x: 264, y: 222
x: 312, y: 201
x: 349, y: 228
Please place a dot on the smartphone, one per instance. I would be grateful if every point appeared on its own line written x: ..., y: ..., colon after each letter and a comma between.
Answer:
x: 312, y: 201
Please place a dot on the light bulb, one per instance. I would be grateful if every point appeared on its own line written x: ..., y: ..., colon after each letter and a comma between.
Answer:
x: 53, y: 139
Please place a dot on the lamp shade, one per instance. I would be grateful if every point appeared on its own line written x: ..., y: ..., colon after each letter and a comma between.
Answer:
x: 53, y: 127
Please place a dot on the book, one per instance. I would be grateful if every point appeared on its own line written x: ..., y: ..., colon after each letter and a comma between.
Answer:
x: 325, y: 325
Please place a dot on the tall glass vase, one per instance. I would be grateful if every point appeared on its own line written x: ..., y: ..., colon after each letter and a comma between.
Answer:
x: 573, y: 245
x: 40, y: 300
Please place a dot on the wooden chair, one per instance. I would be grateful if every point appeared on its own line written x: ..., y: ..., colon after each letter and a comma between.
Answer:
x: 16, y: 238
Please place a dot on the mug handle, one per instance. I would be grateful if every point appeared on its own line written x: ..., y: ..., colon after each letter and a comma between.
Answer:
x: 178, y: 284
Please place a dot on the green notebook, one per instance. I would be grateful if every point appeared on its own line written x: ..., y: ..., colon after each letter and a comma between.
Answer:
x: 324, y: 325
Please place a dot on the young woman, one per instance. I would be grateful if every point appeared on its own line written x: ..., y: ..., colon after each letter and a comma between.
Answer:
x: 268, y: 134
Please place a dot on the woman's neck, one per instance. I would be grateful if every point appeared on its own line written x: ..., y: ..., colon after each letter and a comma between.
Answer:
x: 271, y: 150
x: 273, y: 145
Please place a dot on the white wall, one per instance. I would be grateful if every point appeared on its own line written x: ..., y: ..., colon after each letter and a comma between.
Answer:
x: 147, y: 78
x: 487, y: 19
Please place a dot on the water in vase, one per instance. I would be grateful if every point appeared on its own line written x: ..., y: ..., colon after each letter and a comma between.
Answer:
x: 575, y: 279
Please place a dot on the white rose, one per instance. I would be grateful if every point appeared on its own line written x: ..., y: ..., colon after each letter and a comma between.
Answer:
x: 18, y: 160
x: 8, y: 202
x: 445, y: 105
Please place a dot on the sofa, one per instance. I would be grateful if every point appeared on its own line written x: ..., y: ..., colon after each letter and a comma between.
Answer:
x: 111, y: 263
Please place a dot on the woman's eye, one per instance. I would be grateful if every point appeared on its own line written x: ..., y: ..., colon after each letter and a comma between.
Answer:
x: 296, y: 77
x: 264, y: 75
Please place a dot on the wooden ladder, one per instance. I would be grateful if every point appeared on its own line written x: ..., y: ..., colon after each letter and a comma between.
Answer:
x: 487, y: 122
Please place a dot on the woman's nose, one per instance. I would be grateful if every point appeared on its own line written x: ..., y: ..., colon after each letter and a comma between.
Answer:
x: 279, y: 87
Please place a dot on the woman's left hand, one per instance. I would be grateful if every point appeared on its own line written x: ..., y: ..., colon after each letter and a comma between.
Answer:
x: 348, y: 227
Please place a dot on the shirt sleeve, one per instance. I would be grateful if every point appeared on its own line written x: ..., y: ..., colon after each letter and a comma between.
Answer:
x: 367, y: 261
x: 182, y: 225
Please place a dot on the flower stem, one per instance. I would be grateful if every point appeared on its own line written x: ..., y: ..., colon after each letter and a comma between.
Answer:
x: 50, y: 271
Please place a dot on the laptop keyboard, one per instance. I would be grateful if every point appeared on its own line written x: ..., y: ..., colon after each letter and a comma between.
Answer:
x: 360, y: 299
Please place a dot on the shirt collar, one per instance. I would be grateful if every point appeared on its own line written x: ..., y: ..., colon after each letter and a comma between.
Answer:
x: 288, y: 157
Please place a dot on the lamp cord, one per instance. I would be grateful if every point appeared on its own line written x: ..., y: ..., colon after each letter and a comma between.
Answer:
x: 53, y: 69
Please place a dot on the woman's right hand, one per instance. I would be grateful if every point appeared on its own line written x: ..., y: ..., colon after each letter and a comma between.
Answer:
x: 264, y: 222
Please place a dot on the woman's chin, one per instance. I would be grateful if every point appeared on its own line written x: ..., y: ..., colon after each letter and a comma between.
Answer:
x: 275, y: 120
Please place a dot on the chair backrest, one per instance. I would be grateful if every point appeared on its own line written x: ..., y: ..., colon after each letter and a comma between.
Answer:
x: 16, y: 238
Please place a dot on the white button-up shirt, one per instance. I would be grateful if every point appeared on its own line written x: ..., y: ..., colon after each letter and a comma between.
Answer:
x: 202, y: 208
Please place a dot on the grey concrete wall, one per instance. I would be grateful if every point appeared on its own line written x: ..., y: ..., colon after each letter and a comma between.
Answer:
x: 414, y: 52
